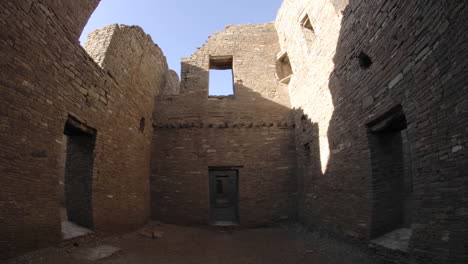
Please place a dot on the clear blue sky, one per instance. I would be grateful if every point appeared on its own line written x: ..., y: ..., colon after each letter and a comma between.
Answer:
x: 180, y: 26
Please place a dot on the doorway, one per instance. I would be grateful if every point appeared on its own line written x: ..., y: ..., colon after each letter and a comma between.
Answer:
x: 76, y: 210
x: 223, y: 197
x: 392, y: 182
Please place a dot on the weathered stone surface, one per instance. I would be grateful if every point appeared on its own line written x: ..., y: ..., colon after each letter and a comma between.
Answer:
x: 251, y: 130
x: 396, y: 240
x: 149, y: 233
x: 304, y: 145
x: 171, y: 84
x: 96, y: 253
x: 415, y: 49
x: 45, y: 77
x: 72, y: 230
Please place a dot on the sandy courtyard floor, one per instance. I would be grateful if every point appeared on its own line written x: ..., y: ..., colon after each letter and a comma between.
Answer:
x: 285, y: 244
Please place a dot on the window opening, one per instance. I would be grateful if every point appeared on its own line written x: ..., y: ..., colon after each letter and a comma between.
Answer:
x: 221, y: 76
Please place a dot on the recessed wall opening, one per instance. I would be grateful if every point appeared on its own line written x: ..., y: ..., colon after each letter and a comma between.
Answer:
x: 141, y: 128
x: 391, y: 182
x: 283, y: 68
x: 306, y: 23
x: 221, y: 76
x: 364, y: 60
x: 76, y: 210
x: 223, y: 196
x: 307, y: 30
x: 306, y: 154
x: 306, y: 148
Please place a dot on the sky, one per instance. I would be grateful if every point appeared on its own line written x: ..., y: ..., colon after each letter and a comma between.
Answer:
x: 180, y: 26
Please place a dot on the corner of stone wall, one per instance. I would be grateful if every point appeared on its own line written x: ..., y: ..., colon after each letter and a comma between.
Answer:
x: 130, y: 56
x: 171, y: 83
x: 98, y: 42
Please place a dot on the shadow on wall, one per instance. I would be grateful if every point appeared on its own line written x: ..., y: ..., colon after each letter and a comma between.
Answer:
x: 194, y: 132
x: 193, y: 104
x: 374, y: 86
x: 45, y: 78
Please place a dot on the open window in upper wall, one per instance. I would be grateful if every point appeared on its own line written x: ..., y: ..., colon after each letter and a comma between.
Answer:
x: 283, y: 68
x: 221, y: 77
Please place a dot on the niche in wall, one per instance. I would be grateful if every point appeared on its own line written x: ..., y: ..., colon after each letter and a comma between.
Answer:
x: 307, y: 29
x: 283, y: 68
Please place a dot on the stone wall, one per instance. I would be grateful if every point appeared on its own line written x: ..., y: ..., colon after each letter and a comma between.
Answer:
x: 351, y: 71
x: 172, y: 83
x: 251, y: 129
x: 47, y: 78
x: 365, y: 73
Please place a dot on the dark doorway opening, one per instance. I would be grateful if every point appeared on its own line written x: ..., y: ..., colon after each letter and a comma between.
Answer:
x: 392, y: 183
x: 77, y: 212
x: 223, y: 196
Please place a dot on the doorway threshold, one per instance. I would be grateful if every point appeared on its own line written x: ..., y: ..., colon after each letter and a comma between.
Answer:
x: 71, y: 230
x: 395, y: 240
x: 224, y: 223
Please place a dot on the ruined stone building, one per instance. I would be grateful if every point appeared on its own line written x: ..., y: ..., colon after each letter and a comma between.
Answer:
x: 350, y: 116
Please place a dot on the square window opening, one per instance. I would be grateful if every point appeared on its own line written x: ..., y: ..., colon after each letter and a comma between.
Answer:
x: 221, y: 76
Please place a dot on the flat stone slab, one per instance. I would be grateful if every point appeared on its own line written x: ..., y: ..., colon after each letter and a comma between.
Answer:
x: 396, y: 240
x: 96, y: 253
x: 152, y: 234
x: 72, y: 230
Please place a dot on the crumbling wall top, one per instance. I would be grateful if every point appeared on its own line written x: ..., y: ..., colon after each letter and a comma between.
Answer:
x: 129, y: 55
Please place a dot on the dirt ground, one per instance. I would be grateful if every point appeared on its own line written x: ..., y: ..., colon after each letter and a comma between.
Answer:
x: 285, y: 244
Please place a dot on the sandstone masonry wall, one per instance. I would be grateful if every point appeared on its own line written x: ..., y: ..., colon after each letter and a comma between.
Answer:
x: 252, y: 129
x: 171, y: 84
x: 46, y: 77
x: 311, y: 54
x: 415, y: 50
x: 378, y: 90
